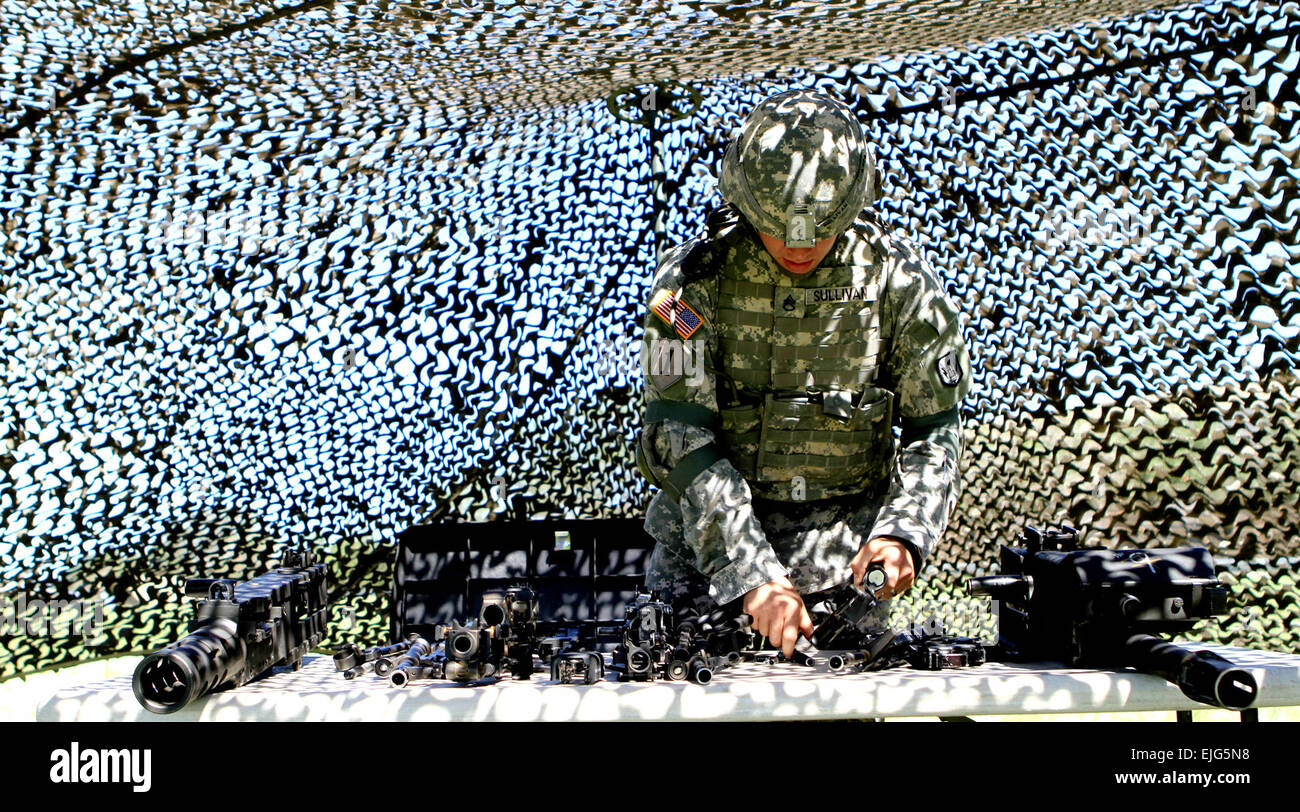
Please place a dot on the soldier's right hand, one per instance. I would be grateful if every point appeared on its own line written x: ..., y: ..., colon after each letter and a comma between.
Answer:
x: 779, y: 614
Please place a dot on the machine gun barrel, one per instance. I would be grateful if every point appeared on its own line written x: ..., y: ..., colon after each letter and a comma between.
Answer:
x: 1201, y: 675
x: 168, y: 680
x: 1001, y: 587
x: 240, y: 631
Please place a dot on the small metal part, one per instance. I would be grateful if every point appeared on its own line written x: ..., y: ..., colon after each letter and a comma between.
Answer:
x: 875, y: 578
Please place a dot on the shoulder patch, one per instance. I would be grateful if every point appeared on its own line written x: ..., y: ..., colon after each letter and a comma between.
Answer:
x: 949, y: 368
x: 676, y: 313
x: 664, y: 382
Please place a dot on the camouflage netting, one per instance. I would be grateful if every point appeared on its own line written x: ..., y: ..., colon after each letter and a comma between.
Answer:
x: 315, y: 272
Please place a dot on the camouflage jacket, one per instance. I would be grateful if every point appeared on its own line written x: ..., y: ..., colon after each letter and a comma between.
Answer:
x: 690, y: 448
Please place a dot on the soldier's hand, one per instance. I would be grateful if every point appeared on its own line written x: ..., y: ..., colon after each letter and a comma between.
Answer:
x: 779, y: 613
x: 899, y: 572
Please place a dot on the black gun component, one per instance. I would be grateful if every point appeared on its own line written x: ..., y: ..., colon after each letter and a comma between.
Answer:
x: 387, y: 657
x: 653, y: 644
x: 401, y: 678
x: 847, y: 661
x: 701, y: 668
x: 1098, y: 607
x: 844, y: 627
x: 934, y: 653
x: 707, y: 644
x: 1202, y: 675
x: 902, y: 648
x: 512, y: 616
x: 588, y: 666
x: 350, y: 656
x: 240, y: 632
x: 472, y: 653
x: 844, y: 624
x: 400, y: 670
x: 501, y: 641
x: 647, y: 646
x: 427, y: 666
x: 868, y: 658
x: 358, y: 670
x: 557, y: 637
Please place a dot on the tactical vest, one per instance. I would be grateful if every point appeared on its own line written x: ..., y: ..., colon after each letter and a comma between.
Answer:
x: 798, y: 358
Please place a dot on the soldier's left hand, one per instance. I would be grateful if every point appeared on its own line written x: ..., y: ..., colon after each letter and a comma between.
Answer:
x: 897, y: 559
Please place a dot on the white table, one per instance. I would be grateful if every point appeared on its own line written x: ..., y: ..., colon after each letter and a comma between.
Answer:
x: 747, y: 691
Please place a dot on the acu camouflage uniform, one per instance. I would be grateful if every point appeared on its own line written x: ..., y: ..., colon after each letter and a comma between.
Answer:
x: 770, y: 401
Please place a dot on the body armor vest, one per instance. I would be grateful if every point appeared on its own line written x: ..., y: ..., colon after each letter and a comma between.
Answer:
x: 802, y: 417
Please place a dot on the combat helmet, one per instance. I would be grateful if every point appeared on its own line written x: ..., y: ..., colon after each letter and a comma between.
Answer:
x: 800, y: 169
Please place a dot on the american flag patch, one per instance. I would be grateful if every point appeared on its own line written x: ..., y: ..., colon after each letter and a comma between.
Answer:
x: 676, y: 313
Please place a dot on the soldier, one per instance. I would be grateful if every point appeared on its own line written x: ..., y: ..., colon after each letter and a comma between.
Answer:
x: 780, y: 346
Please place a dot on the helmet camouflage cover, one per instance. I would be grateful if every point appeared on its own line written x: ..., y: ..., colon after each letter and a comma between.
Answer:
x: 799, y: 154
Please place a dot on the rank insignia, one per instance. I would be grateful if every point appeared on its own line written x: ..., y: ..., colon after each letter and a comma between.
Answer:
x: 676, y: 313
x: 949, y: 370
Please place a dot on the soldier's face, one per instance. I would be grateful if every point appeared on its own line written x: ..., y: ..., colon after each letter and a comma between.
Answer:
x: 796, y: 260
